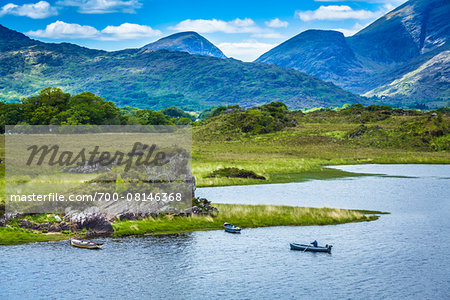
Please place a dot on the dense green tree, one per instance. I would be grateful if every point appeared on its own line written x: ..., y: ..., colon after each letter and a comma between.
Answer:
x: 183, y: 121
x: 173, y: 112
x: 43, y: 115
x: 256, y: 120
x: 225, y: 109
x: 48, y: 97
x: 278, y: 110
x: 151, y: 117
x: 10, y: 114
x: 87, y: 108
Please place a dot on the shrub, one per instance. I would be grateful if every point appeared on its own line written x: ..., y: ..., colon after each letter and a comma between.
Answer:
x: 236, y: 173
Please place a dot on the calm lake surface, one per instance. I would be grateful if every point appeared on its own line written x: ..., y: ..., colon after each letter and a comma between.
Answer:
x: 402, y: 255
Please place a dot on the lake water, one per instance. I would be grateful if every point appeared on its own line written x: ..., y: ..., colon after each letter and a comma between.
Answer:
x: 402, y: 255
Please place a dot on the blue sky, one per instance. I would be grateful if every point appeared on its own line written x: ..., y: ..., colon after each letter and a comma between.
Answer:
x: 242, y: 29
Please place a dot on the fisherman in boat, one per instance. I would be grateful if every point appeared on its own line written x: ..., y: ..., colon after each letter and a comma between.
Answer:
x: 314, y: 243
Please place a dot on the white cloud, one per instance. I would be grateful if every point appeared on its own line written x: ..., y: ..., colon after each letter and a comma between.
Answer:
x: 207, y: 26
x: 126, y: 31
x: 103, y: 6
x: 39, y: 10
x: 269, y: 35
x: 129, y: 31
x: 276, y: 23
x: 246, y: 25
x: 60, y: 30
x: 337, y: 12
x: 246, y: 50
x: 389, y: 7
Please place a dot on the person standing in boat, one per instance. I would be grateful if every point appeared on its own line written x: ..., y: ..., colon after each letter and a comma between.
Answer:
x: 314, y: 243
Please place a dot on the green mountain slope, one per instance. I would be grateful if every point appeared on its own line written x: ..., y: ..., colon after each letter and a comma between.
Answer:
x: 155, y: 79
x: 323, y: 53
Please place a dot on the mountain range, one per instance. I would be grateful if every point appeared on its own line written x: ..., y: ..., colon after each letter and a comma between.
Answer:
x: 147, y: 78
x: 401, y: 59
x: 403, y: 55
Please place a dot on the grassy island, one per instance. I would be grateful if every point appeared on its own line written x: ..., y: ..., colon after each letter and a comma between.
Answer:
x: 245, y: 216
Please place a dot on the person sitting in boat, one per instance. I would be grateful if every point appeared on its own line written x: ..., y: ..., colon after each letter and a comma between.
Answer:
x: 314, y: 243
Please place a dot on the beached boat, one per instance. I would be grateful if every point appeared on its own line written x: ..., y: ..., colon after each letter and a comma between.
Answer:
x: 231, y: 228
x: 303, y: 247
x: 85, y: 244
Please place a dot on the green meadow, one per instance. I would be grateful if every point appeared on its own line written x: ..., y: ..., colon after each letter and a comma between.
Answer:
x: 319, y: 138
x: 288, y: 160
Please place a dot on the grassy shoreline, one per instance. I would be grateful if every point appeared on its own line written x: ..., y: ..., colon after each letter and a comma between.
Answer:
x: 245, y: 216
x: 18, y: 236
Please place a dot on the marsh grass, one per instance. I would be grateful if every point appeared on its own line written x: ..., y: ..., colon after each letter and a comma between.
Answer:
x: 244, y: 216
x: 16, y: 236
x: 295, y: 164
